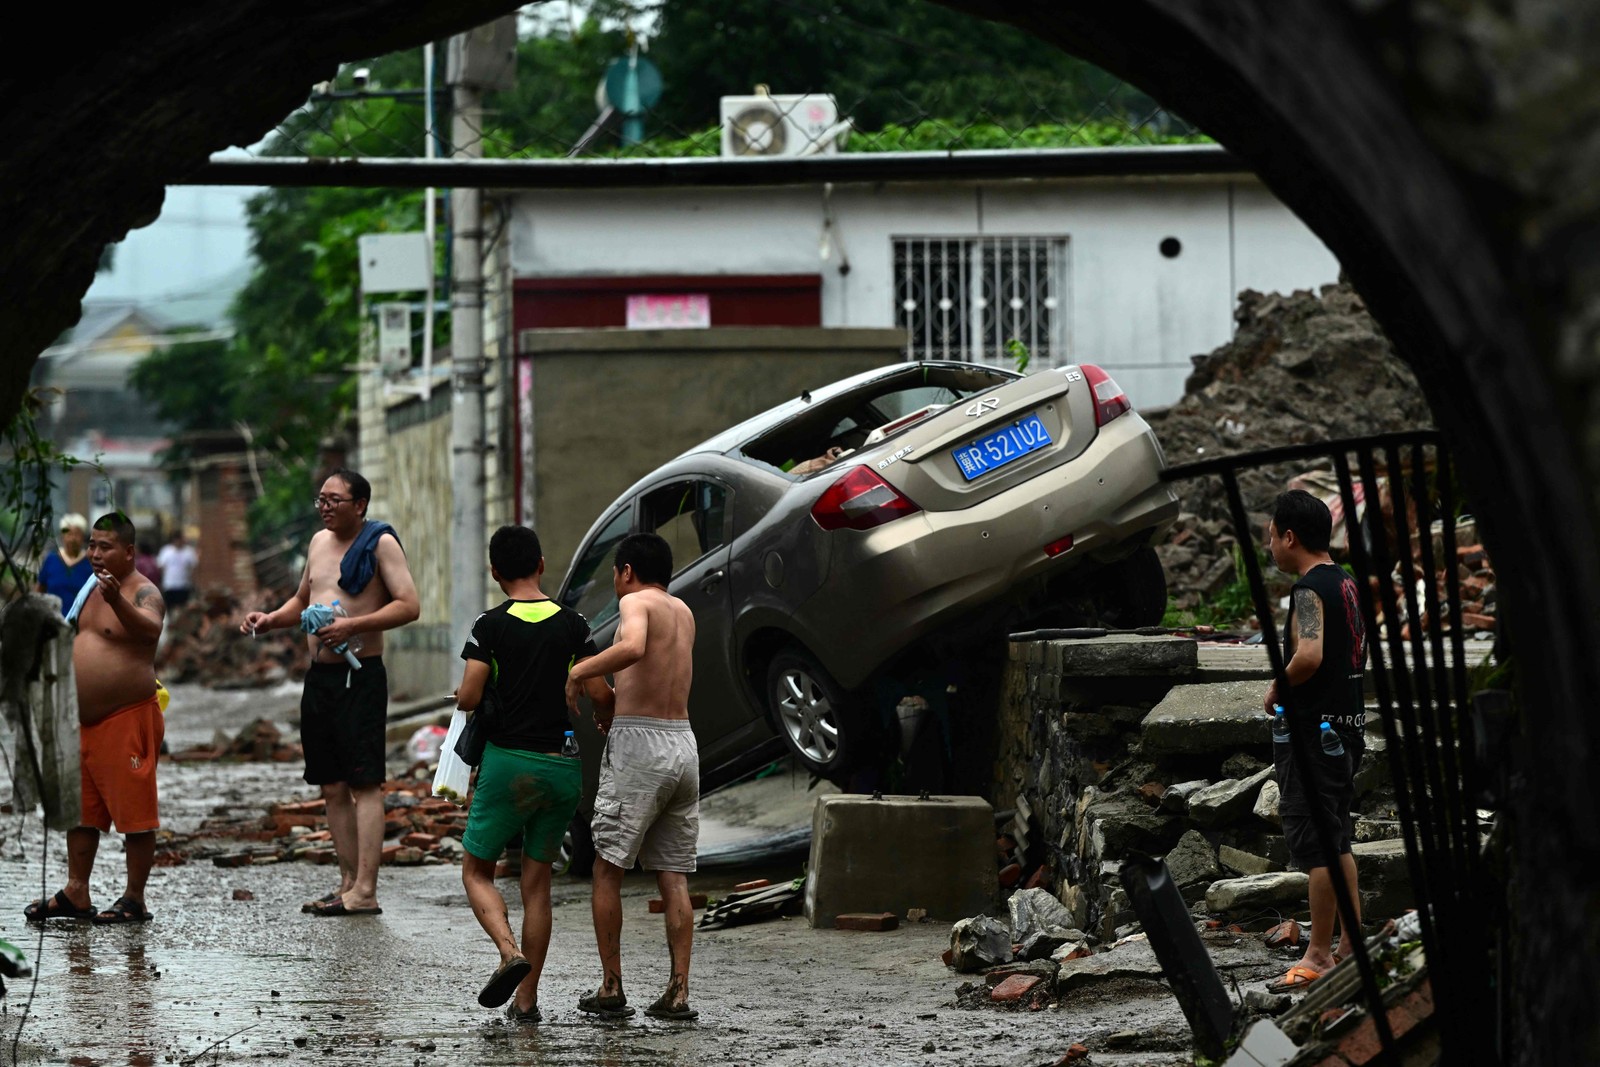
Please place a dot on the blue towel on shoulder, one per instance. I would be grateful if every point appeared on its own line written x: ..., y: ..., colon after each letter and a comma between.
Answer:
x: 360, y: 561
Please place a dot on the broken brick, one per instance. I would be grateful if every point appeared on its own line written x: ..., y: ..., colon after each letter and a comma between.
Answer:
x: 420, y: 840
x: 323, y: 856
x: 759, y: 883
x: 1285, y: 934
x: 1014, y: 988
x: 243, y: 894
x: 869, y: 921
x: 1010, y: 874
x: 1152, y: 791
x: 948, y: 957
x: 300, y: 807
x: 1074, y: 1053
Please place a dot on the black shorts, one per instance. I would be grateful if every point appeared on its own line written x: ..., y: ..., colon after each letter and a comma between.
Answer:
x: 1328, y: 797
x: 343, y: 714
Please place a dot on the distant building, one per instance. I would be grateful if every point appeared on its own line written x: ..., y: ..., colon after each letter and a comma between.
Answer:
x: 99, y: 419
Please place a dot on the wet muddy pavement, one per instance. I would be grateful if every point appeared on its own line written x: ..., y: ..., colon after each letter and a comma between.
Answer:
x: 214, y: 979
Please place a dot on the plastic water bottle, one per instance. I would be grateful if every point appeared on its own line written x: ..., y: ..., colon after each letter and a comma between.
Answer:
x: 1331, y: 743
x: 354, y: 644
x: 569, y: 747
x: 1280, y: 726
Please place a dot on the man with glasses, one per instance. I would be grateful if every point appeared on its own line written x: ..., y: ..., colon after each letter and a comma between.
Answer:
x: 359, y: 563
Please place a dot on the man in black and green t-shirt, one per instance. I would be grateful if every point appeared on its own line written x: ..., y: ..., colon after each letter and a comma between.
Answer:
x: 519, y: 654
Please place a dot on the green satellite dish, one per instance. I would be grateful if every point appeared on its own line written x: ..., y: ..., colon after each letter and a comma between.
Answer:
x: 633, y: 85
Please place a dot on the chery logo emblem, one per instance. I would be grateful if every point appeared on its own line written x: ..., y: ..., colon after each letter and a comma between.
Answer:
x: 984, y: 406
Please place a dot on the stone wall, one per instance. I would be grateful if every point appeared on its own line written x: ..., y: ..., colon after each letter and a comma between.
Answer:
x: 1126, y: 744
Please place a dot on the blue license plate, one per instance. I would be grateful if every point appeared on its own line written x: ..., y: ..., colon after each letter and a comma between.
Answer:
x: 995, y: 450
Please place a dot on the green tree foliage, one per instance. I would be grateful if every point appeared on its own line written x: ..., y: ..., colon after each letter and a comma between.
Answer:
x: 886, y: 61
x: 284, y: 379
x: 28, y: 466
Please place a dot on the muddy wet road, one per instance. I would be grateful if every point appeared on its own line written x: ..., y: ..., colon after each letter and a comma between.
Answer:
x: 218, y: 980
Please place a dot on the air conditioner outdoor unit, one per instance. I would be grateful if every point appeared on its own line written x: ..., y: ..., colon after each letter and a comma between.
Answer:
x: 794, y: 125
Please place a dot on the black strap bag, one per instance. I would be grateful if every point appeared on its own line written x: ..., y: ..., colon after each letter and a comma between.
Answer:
x: 475, y: 736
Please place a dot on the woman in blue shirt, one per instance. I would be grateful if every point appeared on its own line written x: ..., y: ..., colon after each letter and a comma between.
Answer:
x: 65, y: 569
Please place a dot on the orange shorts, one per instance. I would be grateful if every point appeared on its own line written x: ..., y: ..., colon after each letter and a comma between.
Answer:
x: 117, y: 759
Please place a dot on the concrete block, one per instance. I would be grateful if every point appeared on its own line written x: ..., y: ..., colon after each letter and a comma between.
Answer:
x: 872, y: 922
x: 900, y: 853
x: 1125, y: 655
x: 1227, y: 801
x: 1217, y: 718
x: 1246, y: 863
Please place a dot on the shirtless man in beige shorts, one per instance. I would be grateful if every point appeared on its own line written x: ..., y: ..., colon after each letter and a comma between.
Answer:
x: 648, y: 804
x: 120, y: 727
x: 358, y: 562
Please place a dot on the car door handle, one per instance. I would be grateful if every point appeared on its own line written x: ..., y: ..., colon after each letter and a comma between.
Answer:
x: 709, y: 582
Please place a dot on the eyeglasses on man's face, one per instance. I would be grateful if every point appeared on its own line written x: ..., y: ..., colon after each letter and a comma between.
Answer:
x: 326, y: 501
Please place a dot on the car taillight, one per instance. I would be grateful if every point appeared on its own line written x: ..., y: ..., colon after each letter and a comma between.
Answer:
x: 1109, y: 399
x: 859, y: 501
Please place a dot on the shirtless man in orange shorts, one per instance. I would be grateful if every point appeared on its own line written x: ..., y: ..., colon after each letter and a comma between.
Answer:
x: 120, y: 726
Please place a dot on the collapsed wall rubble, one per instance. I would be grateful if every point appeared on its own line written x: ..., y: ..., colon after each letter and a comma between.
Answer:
x: 1301, y: 368
x: 1140, y: 750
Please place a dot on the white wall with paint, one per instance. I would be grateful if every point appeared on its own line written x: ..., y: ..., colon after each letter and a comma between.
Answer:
x: 1138, y: 312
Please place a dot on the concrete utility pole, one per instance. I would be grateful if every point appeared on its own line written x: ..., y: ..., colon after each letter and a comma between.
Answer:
x: 467, y: 366
x: 483, y: 58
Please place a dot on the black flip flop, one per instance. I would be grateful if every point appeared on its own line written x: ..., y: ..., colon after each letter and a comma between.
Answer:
x: 504, y: 982
x: 612, y: 1007
x: 59, y: 906
x: 321, y: 902
x: 337, y: 909
x: 663, y: 1009
x: 125, y: 910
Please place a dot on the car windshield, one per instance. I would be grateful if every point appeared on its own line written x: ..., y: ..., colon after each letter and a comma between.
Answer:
x: 846, y: 422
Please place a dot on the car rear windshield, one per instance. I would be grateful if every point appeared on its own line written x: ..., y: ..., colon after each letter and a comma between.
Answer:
x: 846, y: 422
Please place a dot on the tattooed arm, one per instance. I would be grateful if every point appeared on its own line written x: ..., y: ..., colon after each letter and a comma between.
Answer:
x: 140, y: 613
x: 1308, y: 624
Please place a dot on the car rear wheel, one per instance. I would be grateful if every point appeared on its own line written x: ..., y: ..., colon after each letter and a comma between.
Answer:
x: 577, y: 850
x: 1132, y: 592
x: 812, y: 712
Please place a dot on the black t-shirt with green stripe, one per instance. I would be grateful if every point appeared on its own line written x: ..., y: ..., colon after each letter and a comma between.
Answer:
x: 529, y: 645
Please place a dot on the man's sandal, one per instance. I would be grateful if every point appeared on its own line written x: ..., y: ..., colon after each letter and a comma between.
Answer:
x: 125, y: 910
x: 1297, y: 977
x: 59, y: 906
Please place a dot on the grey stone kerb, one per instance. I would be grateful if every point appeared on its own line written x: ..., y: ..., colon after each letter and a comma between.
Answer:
x: 1112, y: 656
x: 1211, y: 718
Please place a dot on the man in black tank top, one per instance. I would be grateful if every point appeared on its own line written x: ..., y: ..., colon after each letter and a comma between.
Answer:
x: 1325, y: 650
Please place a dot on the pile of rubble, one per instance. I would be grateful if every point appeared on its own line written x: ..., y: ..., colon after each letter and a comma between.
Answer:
x: 201, y: 643
x: 260, y: 741
x: 1301, y: 368
x: 418, y: 829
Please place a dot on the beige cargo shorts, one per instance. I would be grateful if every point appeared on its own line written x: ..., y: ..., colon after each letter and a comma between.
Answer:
x: 648, y: 805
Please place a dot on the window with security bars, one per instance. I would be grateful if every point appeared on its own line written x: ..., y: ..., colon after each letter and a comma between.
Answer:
x: 968, y: 298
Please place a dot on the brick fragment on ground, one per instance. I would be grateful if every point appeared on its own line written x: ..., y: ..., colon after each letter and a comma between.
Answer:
x: 418, y: 839
x: 1010, y: 874
x: 869, y: 921
x: 243, y: 894
x: 1074, y: 1053
x: 1014, y: 988
x: 759, y: 883
x: 1285, y: 934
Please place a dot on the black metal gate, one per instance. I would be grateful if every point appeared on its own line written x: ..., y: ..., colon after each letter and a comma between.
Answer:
x: 1439, y: 774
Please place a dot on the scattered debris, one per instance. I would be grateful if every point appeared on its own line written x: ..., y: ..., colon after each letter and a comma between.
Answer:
x: 201, y: 643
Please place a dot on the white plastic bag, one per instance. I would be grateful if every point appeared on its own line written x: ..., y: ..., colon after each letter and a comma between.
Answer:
x: 450, y: 780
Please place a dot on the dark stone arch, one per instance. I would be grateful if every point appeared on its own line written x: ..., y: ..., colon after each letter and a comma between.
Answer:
x: 1442, y: 148
x: 1411, y: 138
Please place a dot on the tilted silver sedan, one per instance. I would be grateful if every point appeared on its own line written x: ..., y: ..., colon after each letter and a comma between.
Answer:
x: 823, y: 541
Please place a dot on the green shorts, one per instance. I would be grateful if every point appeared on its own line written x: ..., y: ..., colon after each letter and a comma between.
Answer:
x: 522, y: 791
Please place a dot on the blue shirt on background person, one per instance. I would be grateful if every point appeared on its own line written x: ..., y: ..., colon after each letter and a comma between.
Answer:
x: 56, y: 574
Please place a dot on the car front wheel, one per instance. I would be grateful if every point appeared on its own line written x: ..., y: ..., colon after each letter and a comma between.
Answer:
x: 813, y: 712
